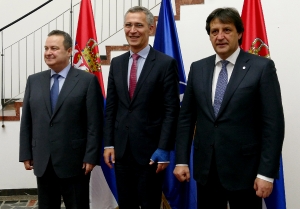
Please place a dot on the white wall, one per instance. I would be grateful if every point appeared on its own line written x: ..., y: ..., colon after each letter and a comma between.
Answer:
x: 282, y: 30
x: 12, y: 173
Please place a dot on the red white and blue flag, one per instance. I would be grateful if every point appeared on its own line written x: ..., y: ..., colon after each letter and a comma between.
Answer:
x: 255, y: 41
x: 103, y: 192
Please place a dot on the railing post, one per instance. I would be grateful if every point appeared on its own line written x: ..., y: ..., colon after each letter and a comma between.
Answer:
x: 2, y: 79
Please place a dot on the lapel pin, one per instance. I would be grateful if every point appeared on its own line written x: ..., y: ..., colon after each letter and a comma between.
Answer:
x: 244, y: 67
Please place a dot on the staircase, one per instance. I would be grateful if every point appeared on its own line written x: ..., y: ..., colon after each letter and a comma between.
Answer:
x: 12, y: 103
x: 178, y: 3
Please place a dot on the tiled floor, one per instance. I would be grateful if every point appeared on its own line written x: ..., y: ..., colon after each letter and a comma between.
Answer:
x: 20, y: 202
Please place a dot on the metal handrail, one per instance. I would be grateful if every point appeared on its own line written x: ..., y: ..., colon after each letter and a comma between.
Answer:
x: 31, y: 44
x: 3, y: 102
x: 29, y: 13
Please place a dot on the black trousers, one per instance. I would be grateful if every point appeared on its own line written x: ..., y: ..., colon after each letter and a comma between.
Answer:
x: 139, y: 186
x: 214, y: 196
x: 74, y: 190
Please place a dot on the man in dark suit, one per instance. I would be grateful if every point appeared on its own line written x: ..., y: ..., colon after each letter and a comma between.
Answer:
x: 142, y: 107
x: 61, y: 141
x: 238, y: 128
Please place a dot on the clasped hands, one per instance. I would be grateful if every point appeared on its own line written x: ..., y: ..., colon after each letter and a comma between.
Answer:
x: 160, y: 156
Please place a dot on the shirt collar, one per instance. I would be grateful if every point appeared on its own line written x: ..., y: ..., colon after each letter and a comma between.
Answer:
x: 232, y: 58
x: 143, y: 53
x: 62, y: 73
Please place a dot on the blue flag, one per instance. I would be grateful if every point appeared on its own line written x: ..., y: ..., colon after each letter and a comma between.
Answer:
x: 166, y: 40
x: 277, y: 198
x: 179, y: 195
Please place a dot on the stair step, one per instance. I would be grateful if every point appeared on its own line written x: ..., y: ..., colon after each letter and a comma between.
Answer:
x: 11, y: 111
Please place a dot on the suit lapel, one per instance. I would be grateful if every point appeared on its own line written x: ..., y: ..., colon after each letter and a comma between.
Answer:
x: 68, y: 86
x: 208, y: 72
x: 124, y: 62
x: 148, y: 65
x: 45, y: 84
x: 240, y: 69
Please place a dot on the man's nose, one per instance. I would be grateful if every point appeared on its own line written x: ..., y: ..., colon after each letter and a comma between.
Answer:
x: 47, y: 51
x: 132, y: 29
x: 220, y: 35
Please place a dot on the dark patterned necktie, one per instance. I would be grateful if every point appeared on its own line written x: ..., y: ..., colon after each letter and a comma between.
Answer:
x: 54, y: 91
x: 221, y: 87
x: 132, y: 79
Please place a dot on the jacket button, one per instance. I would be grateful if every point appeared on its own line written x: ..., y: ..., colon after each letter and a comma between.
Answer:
x: 51, y: 124
x: 216, y: 126
x: 130, y: 111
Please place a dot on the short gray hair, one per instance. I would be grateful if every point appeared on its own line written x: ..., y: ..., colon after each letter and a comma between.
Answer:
x: 149, y: 15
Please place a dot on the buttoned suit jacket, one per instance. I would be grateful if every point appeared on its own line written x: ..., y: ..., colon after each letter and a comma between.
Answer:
x: 72, y: 134
x: 148, y: 121
x: 247, y: 134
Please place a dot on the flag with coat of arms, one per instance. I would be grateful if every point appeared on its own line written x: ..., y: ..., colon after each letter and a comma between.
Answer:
x: 255, y: 41
x: 103, y: 192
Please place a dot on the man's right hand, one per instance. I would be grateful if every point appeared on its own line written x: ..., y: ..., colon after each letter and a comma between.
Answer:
x: 182, y: 173
x: 28, y: 164
x: 109, y: 157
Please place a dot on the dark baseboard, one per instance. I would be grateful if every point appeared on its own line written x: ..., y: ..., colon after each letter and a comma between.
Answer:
x: 12, y: 192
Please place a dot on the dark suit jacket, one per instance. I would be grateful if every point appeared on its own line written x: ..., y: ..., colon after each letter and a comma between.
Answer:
x: 72, y: 135
x: 148, y: 121
x: 247, y: 134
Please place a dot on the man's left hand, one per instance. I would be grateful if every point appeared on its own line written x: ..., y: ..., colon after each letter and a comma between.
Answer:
x: 160, y: 166
x: 88, y: 167
x: 263, y: 188
x: 162, y: 157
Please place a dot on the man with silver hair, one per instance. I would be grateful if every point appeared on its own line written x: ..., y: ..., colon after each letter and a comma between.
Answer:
x: 141, y: 113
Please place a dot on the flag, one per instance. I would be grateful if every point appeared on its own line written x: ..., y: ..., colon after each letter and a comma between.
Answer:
x: 277, y: 199
x: 255, y: 41
x: 179, y: 195
x: 103, y: 192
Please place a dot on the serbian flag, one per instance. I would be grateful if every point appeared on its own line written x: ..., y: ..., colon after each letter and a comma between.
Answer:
x: 177, y: 195
x: 255, y: 41
x: 103, y: 192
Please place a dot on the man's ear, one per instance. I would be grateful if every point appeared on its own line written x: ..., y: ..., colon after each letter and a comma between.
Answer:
x: 69, y: 51
x: 240, y: 35
x: 151, y: 30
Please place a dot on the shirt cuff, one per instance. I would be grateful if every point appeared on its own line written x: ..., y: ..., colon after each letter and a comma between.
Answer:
x: 182, y: 165
x: 271, y: 180
x: 109, y: 147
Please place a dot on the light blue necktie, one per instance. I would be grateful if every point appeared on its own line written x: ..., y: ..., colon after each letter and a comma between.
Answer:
x: 54, y: 91
x: 221, y: 87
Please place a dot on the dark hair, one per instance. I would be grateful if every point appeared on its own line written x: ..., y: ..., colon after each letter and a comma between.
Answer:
x: 149, y: 15
x: 226, y: 15
x: 68, y: 42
